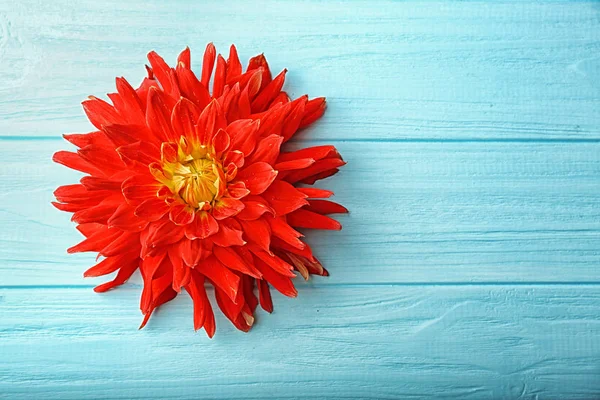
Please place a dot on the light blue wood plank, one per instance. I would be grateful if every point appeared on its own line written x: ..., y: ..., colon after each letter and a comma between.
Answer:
x: 385, y: 342
x: 435, y: 212
x: 469, y: 70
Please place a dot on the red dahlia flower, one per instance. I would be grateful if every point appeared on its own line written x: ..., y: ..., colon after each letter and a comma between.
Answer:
x: 191, y: 187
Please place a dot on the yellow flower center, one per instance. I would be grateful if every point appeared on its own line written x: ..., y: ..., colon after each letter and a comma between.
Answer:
x: 193, y: 175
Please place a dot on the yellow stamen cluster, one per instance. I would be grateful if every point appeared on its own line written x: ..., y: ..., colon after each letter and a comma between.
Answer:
x: 192, y: 175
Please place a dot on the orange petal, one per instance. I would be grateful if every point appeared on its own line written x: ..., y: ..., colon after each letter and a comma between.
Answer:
x: 226, y: 207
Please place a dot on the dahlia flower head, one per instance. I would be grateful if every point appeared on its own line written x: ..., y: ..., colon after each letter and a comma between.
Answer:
x: 191, y: 186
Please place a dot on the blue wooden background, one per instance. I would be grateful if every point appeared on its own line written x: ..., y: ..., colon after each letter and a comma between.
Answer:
x: 468, y: 267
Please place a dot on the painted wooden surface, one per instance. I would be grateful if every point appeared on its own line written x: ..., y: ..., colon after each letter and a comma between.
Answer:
x: 468, y: 267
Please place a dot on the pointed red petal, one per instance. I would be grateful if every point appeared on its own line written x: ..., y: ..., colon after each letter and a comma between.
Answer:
x: 229, y: 234
x: 210, y: 121
x: 181, y: 214
x: 192, y: 88
x: 226, y: 207
x: 208, y: 63
x: 220, y: 276
x: 161, y: 70
x: 326, y: 207
x: 257, y: 177
x: 152, y: 209
x: 284, y: 198
x: 309, y: 219
x: 100, y: 112
x: 158, y: 116
x: 184, y: 117
x: 219, y: 79
x: 264, y: 98
x: 283, y: 284
x: 184, y: 58
x: 232, y: 260
x: 203, y: 226
x: 259, y: 232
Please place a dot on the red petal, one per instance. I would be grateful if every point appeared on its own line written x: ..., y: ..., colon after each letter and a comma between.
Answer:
x: 326, y: 207
x: 158, y: 116
x: 232, y: 260
x: 96, y: 241
x: 80, y: 194
x: 316, y: 192
x: 226, y: 207
x: 100, y: 213
x: 195, y: 288
x: 267, y: 150
x: 234, y: 66
x: 257, y: 177
x: 109, y: 265
x: 184, y: 117
x: 152, y: 209
x: 138, y: 188
x: 220, y: 276
x: 181, y: 214
x: 124, y: 218
x: 237, y: 190
x: 274, y: 262
x: 203, y: 226
x: 210, y: 121
x: 74, y: 161
x: 208, y: 63
x: 264, y: 294
x: 317, y: 168
x: 255, y: 207
x: 284, y: 198
x: 260, y: 62
x: 266, y: 96
x: 133, y: 109
x: 184, y: 58
x: 309, y: 219
x: 258, y: 231
x: 243, y: 134
x: 229, y: 234
x: 127, y: 241
x: 181, y: 272
x: 313, y: 111
x: 100, y: 112
x: 143, y: 152
x: 317, y: 152
x: 283, y: 284
x: 125, y: 272
x: 161, y: 70
x: 236, y: 157
x: 281, y: 229
x: 191, y: 88
x: 219, y: 79
x: 292, y: 121
x: 220, y: 142
x: 300, y: 163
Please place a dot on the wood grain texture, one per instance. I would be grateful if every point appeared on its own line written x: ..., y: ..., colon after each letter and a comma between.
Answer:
x: 441, y: 212
x: 391, y: 70
x: 466, y: 342
x: 467, y: 269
